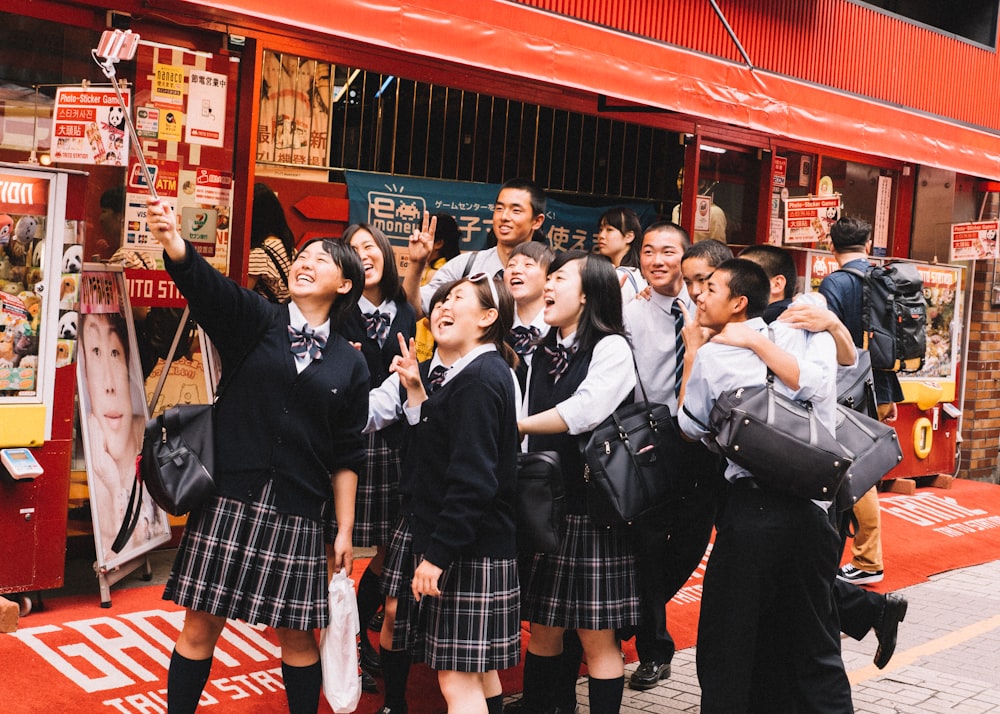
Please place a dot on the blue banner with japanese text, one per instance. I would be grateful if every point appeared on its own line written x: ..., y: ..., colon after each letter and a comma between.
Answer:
x: 395, y: 205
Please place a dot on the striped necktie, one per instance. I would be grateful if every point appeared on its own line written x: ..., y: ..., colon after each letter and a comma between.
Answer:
x: 675, y: 311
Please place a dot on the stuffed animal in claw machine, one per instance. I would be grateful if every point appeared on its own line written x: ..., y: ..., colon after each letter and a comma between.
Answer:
x: 6, y: 229
x: 25, y: 342
x: 26, y: 234
x: 6, y: 234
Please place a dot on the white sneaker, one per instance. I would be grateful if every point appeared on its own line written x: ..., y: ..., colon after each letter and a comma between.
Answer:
x: 850, y: 574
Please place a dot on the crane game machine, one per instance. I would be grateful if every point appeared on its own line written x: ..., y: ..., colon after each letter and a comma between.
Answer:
x: 928, y: 421
x: 40, y: 262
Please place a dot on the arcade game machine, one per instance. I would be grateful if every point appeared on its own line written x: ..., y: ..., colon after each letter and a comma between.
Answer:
x: 928, y: 421
x: 41, y: 213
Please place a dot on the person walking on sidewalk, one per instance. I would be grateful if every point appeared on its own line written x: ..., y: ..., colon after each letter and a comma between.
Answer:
x: 843, y: 291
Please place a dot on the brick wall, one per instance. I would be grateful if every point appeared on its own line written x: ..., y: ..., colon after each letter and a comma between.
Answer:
x: 981, y: 423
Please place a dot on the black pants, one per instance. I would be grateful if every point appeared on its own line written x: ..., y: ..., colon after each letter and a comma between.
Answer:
x: 670, y: 542
x: 764, y: 637
x: 859, y: 610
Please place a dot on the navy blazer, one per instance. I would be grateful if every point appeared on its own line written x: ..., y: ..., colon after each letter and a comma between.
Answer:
x: 272, y: 423
x: 462, y: 465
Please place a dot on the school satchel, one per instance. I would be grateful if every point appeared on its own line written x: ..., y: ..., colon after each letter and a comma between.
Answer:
x: 874, y: 448
x: 856, y: 385
x: 178, y: 457
x: 541, y: 502
x: 629, y: 457
x: 779, y: 440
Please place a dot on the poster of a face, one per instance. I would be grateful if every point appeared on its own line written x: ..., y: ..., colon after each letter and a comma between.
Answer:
x: 112, y: 416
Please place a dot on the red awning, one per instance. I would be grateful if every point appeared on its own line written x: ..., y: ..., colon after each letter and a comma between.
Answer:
x: 512, y: 39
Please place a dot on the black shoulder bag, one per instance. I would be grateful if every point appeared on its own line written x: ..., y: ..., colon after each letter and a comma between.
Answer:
x: 177, y: 459
x: 630, y: 457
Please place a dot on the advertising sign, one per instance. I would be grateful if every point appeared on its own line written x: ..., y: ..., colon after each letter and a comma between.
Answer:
x: 89, y: 127
x: 396, y: 206
x: 808, y: 220
x: 113, y: 416
x: 974, y: 241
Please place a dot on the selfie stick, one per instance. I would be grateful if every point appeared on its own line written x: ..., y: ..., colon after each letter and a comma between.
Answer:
x: 116, y: 45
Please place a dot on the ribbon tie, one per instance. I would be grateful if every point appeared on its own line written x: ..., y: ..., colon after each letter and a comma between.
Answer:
x: 559, y: 357
x: 436, y: 378
x: 522, y: 339
x: 306, y: 342
x: 377, y: 326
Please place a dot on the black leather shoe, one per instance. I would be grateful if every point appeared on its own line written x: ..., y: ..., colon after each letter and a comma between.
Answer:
x: 370, y: 661
x: 649, y: 674
x: 892, y: 614
x: 368, y: 683
x: 390, y: 710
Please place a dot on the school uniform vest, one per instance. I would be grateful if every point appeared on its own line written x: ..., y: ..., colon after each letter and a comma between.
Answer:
x: 545, y: 393
x: 379, y: 358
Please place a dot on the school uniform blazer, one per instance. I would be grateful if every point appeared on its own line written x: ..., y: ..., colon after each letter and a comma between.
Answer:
x: 272, y: 423
x: 462, y: 459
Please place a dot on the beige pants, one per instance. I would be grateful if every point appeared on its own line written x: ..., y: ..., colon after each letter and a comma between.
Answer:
x: 866, y: 548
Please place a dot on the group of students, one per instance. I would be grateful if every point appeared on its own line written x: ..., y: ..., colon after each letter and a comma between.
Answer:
x: 532, y: 351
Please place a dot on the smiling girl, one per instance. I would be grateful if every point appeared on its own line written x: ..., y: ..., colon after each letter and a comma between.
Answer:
x: 619, y: 237
x: 525, y: 278
x: 462, y: 465
x: 580, y: 374
x: 382, y: 315
x: 288, y: 445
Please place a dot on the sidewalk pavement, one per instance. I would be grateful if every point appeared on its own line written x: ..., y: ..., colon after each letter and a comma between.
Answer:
x: 947, y: 658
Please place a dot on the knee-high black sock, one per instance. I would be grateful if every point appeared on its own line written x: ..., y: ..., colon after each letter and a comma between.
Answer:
x: 539, y: 673
x: 302, y: 687
x: 369, y: 596
x: 494, y: 705
x: 606, y: 695
x: 569, y: 671
x: 395, y: 673
x: 186, y: 680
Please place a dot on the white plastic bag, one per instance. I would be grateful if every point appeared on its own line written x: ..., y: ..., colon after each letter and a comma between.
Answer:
x: 338, y: 647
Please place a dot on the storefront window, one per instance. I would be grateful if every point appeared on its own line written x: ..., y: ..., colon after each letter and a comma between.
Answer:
x: 827, y: 188
x: 728, y: 193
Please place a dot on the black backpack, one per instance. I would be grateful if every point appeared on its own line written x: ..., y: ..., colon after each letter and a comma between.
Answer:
x: 893, y: 316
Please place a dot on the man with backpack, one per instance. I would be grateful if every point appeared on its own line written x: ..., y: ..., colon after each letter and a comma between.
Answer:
x: 844, y: 291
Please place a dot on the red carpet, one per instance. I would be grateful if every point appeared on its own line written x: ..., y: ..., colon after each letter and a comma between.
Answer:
x: 75, y: 656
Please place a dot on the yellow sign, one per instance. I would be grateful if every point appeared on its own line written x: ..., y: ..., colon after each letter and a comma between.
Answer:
x: 168, y: 84
x: 171, y: 125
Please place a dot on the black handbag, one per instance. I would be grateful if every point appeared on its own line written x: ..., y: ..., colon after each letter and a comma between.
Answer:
x: 629, y: 461
x: 874, y: 447
x: 541, y: 502
x: 178, y: 457
x: 856, y: 385
x: 779, y: 440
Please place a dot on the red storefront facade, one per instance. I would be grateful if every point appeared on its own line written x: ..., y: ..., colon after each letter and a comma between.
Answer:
x: 835, y: 80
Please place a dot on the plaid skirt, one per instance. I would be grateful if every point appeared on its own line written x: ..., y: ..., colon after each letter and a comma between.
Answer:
x: 589, y: 583
x: 397, y: 574
x: 474, y: 626
x: 247, y: 561
x: 377, y: 503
